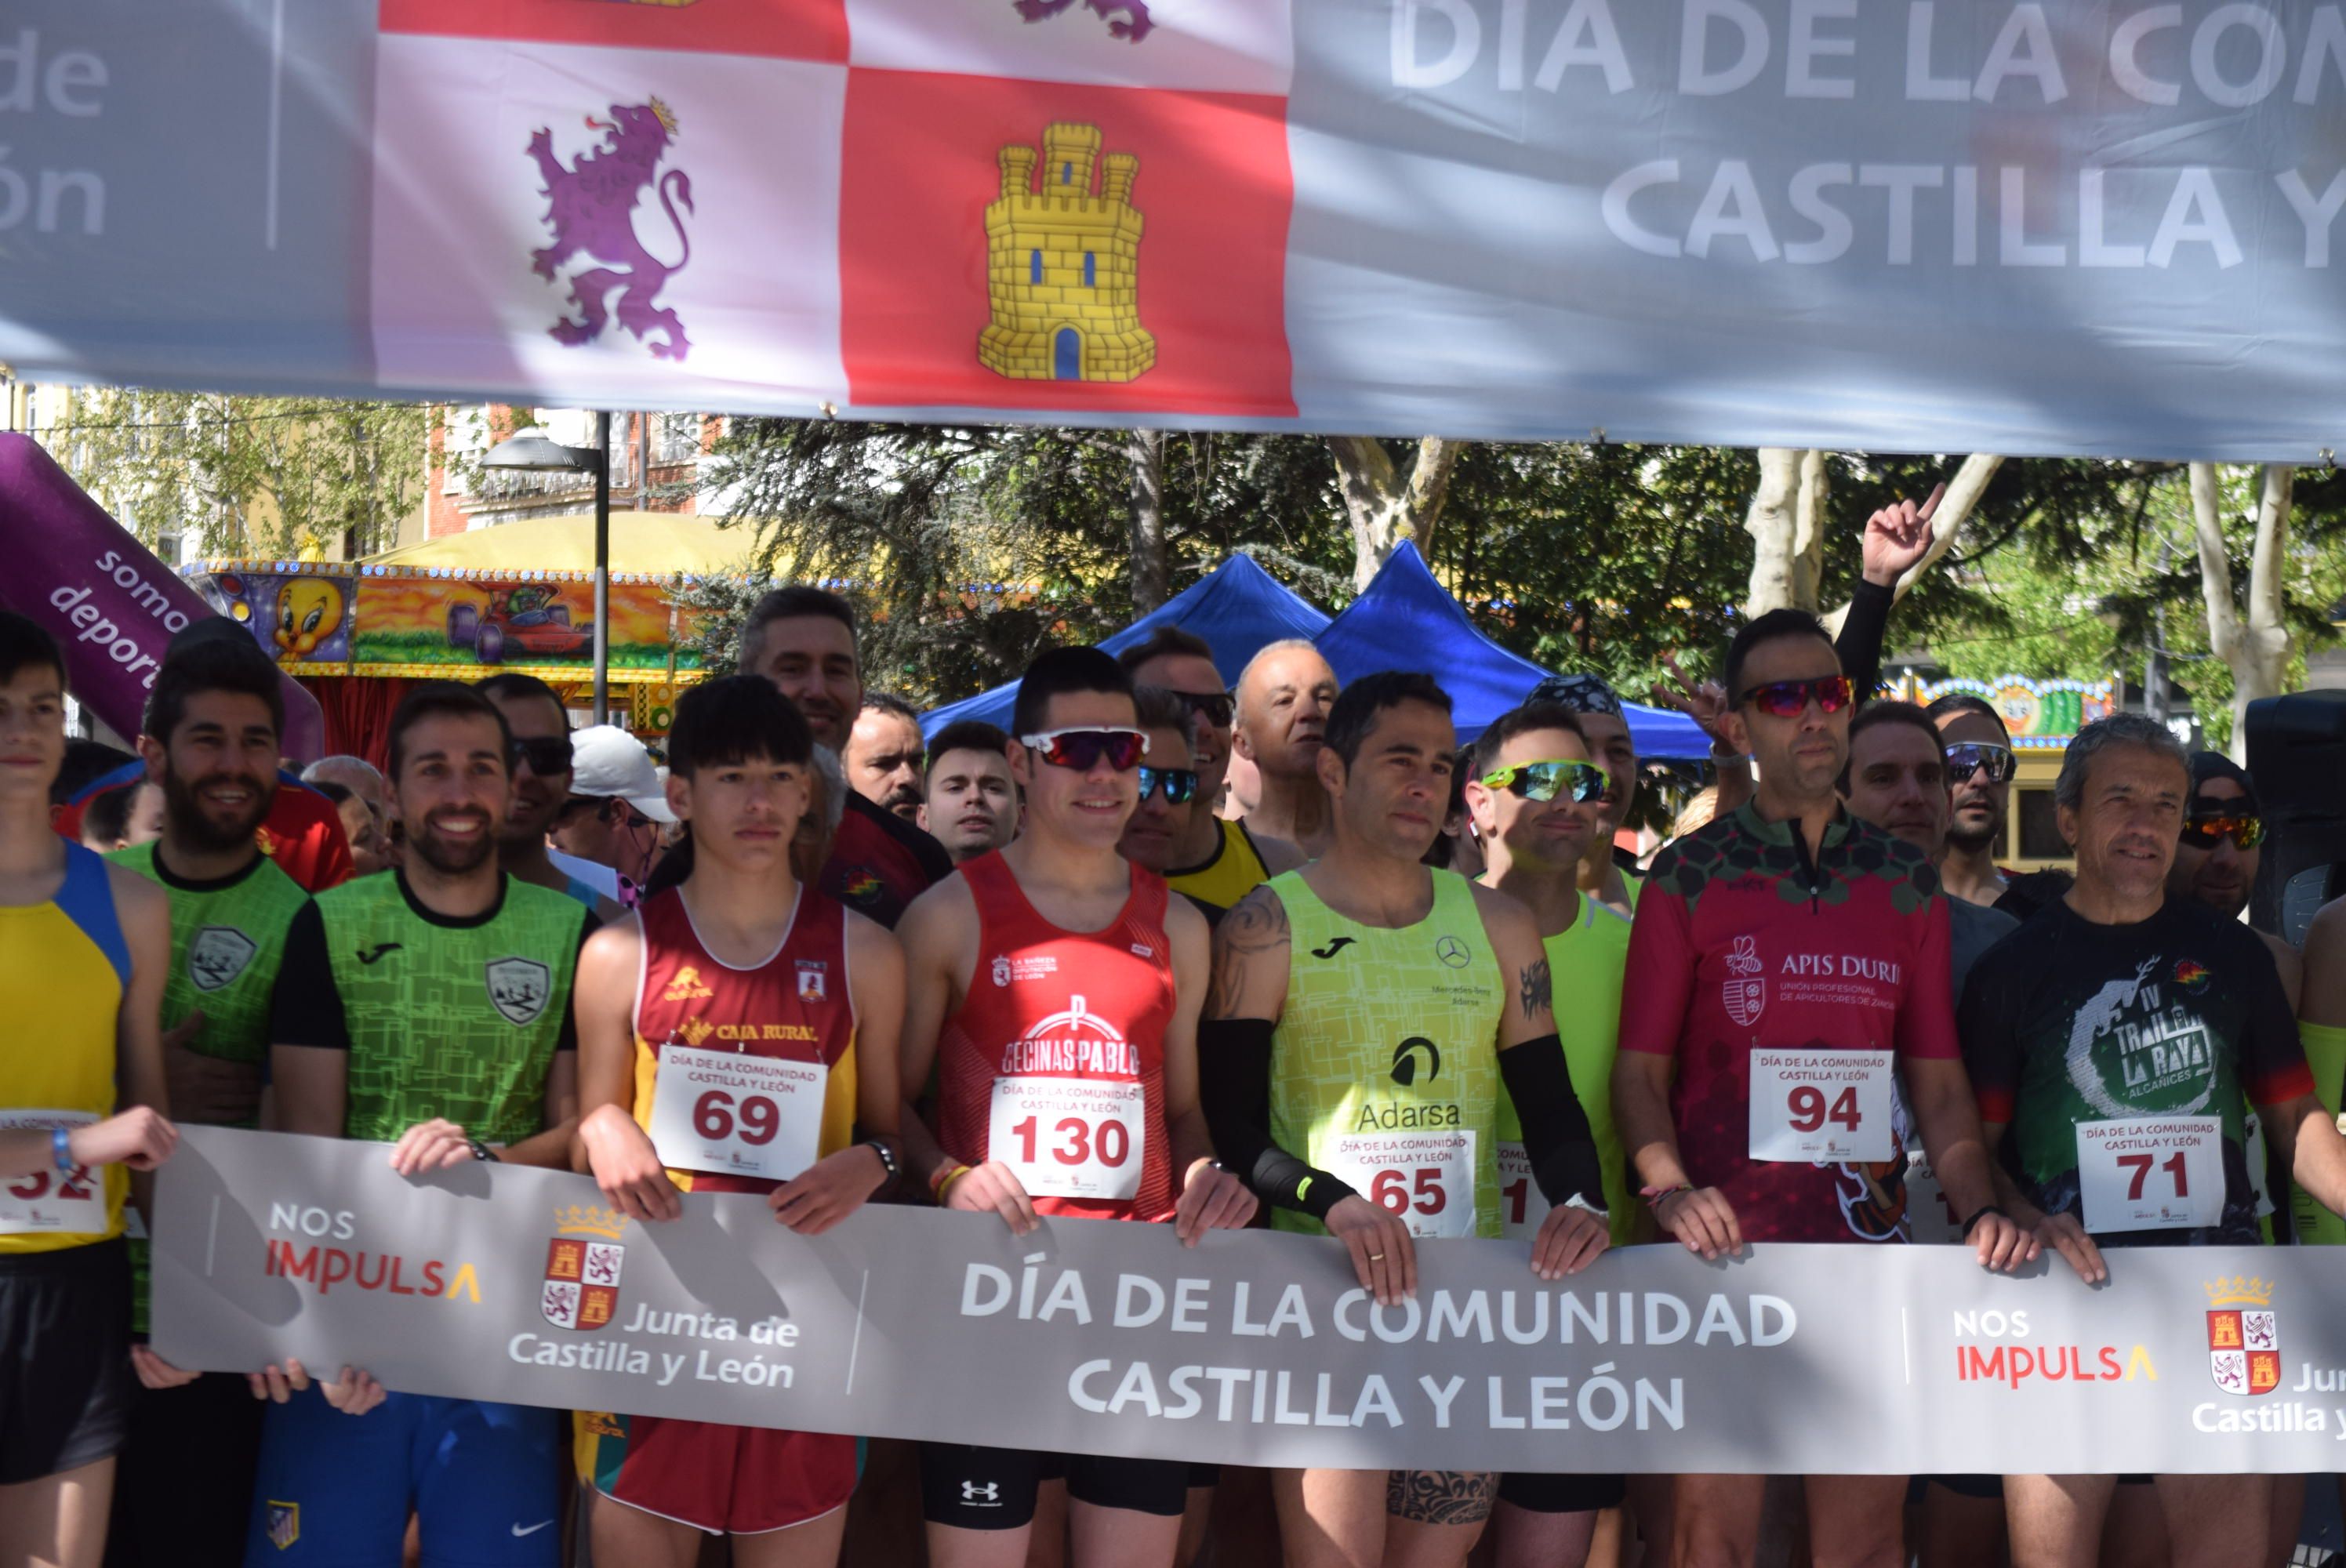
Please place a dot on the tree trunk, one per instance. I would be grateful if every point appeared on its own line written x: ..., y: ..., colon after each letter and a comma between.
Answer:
x: 1386, y: 506
x: 1772, y: 523
x: 2257, y: 652
x: 1955, y: 507
x: 1152, y: 570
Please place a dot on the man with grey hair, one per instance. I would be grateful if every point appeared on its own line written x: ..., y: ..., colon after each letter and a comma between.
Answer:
x: 361, y: 808
x: 1284, y: 694
x: 2114, y: 1037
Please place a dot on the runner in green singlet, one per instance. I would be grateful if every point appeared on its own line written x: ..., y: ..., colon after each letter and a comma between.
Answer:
x: 212, y: 743
x: 1539, y: 799
x: 1365, y: 1012
x: 430, y: 1010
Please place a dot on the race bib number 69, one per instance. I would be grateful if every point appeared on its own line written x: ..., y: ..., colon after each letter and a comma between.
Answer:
x: 734, y: 1114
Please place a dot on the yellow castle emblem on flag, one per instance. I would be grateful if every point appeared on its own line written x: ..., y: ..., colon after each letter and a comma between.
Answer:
x: 1063, y: 265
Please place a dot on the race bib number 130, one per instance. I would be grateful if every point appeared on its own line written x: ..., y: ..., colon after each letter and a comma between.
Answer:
x: 1070, y: 1138
x: 69, y: 1203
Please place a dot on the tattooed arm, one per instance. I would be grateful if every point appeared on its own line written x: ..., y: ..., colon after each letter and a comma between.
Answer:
x: 1556, y: 1136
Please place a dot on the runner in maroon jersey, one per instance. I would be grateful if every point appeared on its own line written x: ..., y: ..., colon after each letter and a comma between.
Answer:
x: 1057, y: 989
x: 1787, y: 962
x: 741, y: 973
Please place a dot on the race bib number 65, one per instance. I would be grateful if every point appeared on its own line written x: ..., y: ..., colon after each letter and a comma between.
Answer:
x: 1425, y: 1180
x: 71, y: 1203
x: 1828, y: 1106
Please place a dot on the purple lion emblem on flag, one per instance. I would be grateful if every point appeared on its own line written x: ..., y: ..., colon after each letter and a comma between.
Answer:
x: 1133, y: 25
x: 590, y: 209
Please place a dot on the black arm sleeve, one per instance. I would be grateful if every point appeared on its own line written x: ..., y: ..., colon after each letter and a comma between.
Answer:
x: 1556, y: 1136
x: 1234, y: 1081
x: 1861, y: 632
x: 305, y: 1008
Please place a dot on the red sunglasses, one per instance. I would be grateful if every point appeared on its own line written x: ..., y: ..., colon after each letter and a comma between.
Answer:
x: 1790, y: 698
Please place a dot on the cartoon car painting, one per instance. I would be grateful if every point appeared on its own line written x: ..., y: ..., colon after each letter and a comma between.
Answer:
x: 525, y: 619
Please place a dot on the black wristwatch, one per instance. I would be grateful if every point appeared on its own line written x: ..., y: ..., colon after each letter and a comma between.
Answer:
x: 482, y: 1151
x: 887, y: 1158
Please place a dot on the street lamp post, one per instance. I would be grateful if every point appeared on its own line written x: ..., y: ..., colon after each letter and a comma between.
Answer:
x: 533, y: 450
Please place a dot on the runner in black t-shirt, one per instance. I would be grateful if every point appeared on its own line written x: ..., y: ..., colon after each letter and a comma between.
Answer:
x: 2115, y: 1035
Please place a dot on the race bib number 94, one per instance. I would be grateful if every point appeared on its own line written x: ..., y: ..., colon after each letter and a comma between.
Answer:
x: 1425, y: 1180
x: 2151, y: 1173
x: 70, y: 1203
x: 1069, y: 1137
x: 733, y: 1113
x: 1828, y: 1106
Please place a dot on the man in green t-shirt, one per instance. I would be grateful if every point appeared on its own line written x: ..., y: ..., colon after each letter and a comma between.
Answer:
x: 210, y: 744
x: 430, y: 1010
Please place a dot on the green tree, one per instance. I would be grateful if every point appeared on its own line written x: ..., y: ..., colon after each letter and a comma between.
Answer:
x: 245, y: 476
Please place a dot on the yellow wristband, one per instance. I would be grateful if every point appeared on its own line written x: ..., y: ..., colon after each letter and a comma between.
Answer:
x: 945, y: 1186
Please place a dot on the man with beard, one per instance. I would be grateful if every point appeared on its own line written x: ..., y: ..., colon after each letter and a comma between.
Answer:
x: 541, y: 788
x: 430, y: 1010
x: 210, y: 745
x: 1216, y: 862
x: 973, y: 803
x: 1981, y: 764
x: 2217, y: 855
x: 1719, y: 1021
x: 883, y: 755
x: 1284, y: 695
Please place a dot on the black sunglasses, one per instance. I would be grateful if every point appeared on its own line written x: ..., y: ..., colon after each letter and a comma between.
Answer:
x: 1216, y: 708
x: 1179, y: 784
x: 1970, y: 756
x: 547, y: 755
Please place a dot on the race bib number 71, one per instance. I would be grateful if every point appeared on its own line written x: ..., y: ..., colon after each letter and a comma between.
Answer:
x: 2151, y: 1173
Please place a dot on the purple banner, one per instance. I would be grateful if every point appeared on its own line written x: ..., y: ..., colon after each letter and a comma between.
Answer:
x: 109, y: 603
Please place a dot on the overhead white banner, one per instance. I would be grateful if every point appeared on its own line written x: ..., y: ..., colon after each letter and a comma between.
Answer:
x: 1255, y: 1347
x: 2066, y: 226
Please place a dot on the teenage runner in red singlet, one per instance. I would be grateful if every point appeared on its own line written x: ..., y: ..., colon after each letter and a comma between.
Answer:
x: 1057, y: 990
x: 741, y: 973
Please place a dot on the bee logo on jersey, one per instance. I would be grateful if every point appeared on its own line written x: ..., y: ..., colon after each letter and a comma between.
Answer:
x: 582, y: 1276
x: 283, y: 1522
x: 218, y: 955
x: 2243, y: 1336
x: 1744, y: 994
x: 520, y: 988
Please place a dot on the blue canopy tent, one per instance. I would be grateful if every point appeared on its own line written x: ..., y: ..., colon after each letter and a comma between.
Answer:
x: 1407, y: 620
x: 1238, y: 607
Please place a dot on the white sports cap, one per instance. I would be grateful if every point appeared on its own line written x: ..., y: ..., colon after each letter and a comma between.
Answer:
x: 607, y: 762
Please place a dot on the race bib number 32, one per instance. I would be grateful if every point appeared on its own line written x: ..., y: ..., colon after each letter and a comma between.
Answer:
x: 733, y: 1113
x: 69, y: 1203
x: 1425, y: 1180
x: 2151, y: 1173
x: 1829, y: 1106
x: 1070, y: 1138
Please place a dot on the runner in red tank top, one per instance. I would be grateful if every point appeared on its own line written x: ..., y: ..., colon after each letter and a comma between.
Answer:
x: 1056, y: 991
x: 737, y: 1034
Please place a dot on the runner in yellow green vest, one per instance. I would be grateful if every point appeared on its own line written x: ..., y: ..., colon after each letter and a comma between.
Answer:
x: 1365, y: 1014
x: 1539, y: 800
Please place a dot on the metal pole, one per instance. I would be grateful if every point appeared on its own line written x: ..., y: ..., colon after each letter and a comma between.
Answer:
x: 602, y: 568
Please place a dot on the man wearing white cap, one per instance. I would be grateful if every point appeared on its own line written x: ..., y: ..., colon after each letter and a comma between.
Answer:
x: 616, y: 808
